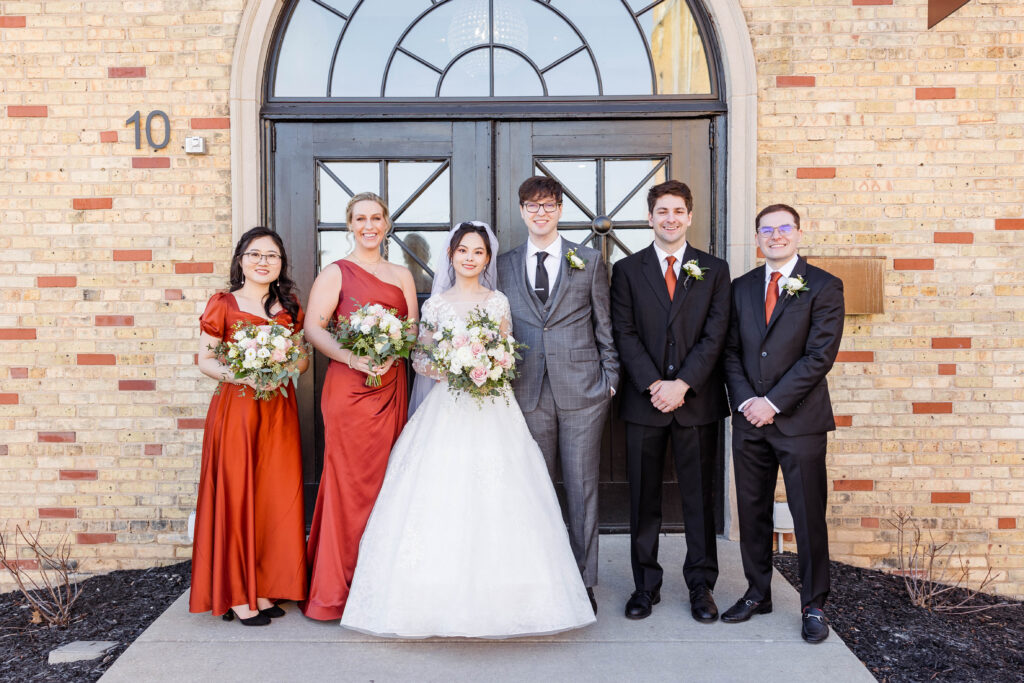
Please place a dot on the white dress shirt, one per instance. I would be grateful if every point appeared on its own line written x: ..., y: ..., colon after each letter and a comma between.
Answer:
x: 786, y: 270
x: 662, y: 255
x: 552, y: 263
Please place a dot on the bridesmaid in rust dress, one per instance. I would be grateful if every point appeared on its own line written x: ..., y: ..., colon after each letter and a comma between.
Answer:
x: 361, y: 423
x: 249, y: 547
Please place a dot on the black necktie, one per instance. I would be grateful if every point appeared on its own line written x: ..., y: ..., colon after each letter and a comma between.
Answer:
x: 541, y: 280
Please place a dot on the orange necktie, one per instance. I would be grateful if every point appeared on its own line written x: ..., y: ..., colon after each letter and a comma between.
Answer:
x: 771, y: 297
x: 670, y: 276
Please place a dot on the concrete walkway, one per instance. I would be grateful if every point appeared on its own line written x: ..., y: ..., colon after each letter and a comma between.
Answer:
x: 668, y: 646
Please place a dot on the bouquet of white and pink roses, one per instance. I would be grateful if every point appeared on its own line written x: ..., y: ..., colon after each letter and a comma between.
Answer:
x: 376, y: 332
x: 266, y: 354
x: 476, y: 358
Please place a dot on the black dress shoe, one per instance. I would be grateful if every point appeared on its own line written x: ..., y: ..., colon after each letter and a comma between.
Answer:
x: 744, y: 609
x: 702, y: 605
x: 258, y: 619
x: 641, y: 603
x: 815, y: 625
x: 273, y: 612
x: 593, y: 600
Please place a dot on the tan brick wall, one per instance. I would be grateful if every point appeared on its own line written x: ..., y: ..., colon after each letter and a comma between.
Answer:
x: 893, y: 140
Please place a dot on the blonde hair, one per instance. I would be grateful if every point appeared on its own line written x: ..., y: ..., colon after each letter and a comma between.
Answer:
x: 367, y: 197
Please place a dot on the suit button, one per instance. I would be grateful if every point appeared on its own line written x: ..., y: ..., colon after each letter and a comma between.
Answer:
x: 671, y: 343
x: 542, y: 356
x: 764, y: 354
x: 671, y: 368
x: 546, y: 329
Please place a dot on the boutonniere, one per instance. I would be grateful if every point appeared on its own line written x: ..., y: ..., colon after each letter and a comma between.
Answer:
x: 693, y: 270
x: 794, y: 286
x: 575, y: 262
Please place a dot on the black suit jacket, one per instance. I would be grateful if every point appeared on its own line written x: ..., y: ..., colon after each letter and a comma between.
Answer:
x: 787, y: 359
x: 681, y: 338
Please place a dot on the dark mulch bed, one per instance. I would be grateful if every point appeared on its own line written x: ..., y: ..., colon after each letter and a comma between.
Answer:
x: 899, y: 642
x: 117, y: 606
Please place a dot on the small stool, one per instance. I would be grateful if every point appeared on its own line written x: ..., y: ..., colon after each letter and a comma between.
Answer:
x: 783, y: 522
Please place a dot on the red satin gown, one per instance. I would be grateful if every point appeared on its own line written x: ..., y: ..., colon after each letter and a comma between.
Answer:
x: 361, y: 424
x: 250, y: 529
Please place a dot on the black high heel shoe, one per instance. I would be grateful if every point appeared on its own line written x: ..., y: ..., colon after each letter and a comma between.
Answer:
x: 258, y: 619
x: 273, y: 612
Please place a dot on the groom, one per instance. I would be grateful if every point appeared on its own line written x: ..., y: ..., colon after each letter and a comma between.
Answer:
x: 558, y: 293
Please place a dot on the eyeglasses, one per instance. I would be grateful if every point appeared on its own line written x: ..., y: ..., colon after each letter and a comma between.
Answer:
x: 534, y: 207
x: 768, y: 230
x: 254, y: 257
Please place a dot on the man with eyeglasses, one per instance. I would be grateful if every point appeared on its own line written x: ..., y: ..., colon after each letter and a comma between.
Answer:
x: 784, y: 334
x: 558, y: 294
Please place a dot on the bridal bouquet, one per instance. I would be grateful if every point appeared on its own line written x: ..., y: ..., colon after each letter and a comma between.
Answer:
x: 475, y: 357
x: 266, y: 354
x: 376, y: 332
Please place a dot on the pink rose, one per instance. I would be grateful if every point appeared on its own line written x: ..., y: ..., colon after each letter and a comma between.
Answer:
x: 279, y: 356
x: 505, y: 361
x: 265, y: 328
x: 478, y: 375
x: 460, y: 340
x: 251, y: 344
x: 477, y: 349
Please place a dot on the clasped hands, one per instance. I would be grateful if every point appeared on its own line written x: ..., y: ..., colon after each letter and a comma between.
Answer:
x: 667, y: 395
x: 759, y: 412
x: 365, y: 365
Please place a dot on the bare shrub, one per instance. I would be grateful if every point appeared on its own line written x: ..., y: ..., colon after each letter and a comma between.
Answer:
x: 49, y: 588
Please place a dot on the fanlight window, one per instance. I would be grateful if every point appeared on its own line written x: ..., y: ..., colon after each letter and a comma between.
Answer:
x: 489, y: 48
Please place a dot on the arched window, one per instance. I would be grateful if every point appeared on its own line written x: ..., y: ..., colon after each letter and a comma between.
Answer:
x: 466, y: 49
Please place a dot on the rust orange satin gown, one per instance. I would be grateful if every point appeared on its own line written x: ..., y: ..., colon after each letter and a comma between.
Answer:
x: 250, y: 532
x: 361, y: 424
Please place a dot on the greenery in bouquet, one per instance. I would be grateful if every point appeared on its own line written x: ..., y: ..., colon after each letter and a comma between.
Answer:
x: 475, y: 357
x: 266, y: 355
x: 375, y: 332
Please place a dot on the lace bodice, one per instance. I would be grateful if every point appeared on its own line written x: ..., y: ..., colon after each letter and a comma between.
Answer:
x: 440, y: 311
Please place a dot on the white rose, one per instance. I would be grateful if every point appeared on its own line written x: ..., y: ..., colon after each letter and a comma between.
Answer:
x: 379, y: 346
x: 365, y: 328
x: 233, y: 353
x: 437, y: 336
x: 455, y: 367
x: 464, y: 355
x: 495, y: 372
x: 239, y: 335
x: 356, y: 320
x: 279, y: 342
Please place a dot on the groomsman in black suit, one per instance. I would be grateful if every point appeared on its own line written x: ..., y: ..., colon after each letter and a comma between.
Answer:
x: 670, y: 317
x: 787, y: 322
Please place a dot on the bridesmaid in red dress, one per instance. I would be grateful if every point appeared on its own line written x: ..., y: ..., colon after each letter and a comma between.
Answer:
x: 361, y: 423
x: 249, y: 547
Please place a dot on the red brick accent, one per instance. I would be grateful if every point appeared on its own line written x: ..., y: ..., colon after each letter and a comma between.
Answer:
x: 937, y: 408
x: 217, y: 123
x: 25, y: 564
x: 3, y: 449
x: 96, y: 359
x: 17, y: 333
x: 913, y: 264
x: 844, y: 420
x: 191, y: 268
x: 136, y: 385
x: 56, y: 281
x: 8, y: 399
x: 935, y: 93
x: 154, y: 449
x: 855, y: 357
x: 151, y: 162
x: 951, y: 497
x: 133, y: 254
x: 822, y: 173
x: 19, y: 373
x: 760, y: 254
x: 173, y: 294
x: 85, y: 539
x: 27, y: 111
x: 89, y: 203
x: 57, y: 513
x: 108, y: 136
x: 12, y: 22
x: 126, y: 72
x: 1007, y: 523
x: 794, y: 81
x: 864, y: 3
x: 115, y: 320
x: 951, y: 342
x: 954, y: 238
x: 869, y: 522
x: 191, y: 422
x: 1010, y: 224
x: 947, y: 368
x: 853, y: 485
x: 78, y: 475
x: 55, y: 437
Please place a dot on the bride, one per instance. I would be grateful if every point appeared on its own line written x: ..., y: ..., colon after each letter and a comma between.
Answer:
x: 466, y: 537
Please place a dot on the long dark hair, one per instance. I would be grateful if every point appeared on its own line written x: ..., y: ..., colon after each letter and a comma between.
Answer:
x: 282, y: 289
x: 461, y: 231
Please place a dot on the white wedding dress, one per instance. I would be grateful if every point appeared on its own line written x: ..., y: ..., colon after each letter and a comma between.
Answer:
x: 466, y: 537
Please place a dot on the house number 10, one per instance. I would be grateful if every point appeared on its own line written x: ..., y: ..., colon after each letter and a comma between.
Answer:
x: 137, y: 118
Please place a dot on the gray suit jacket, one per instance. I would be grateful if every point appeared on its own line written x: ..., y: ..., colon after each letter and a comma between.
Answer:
x: 570, y: 337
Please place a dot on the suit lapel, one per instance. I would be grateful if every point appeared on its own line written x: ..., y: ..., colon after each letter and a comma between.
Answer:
x: 651, y: 267
x: 682, y: 286
x: 522, y: 283
x: 799, y: 269
x: 564, y: 273
x: 756, y: 292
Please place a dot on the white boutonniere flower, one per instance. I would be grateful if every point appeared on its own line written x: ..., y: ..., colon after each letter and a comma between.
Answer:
x: 693, y: 270
x: 575, y: 262
x: 794, y: 286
